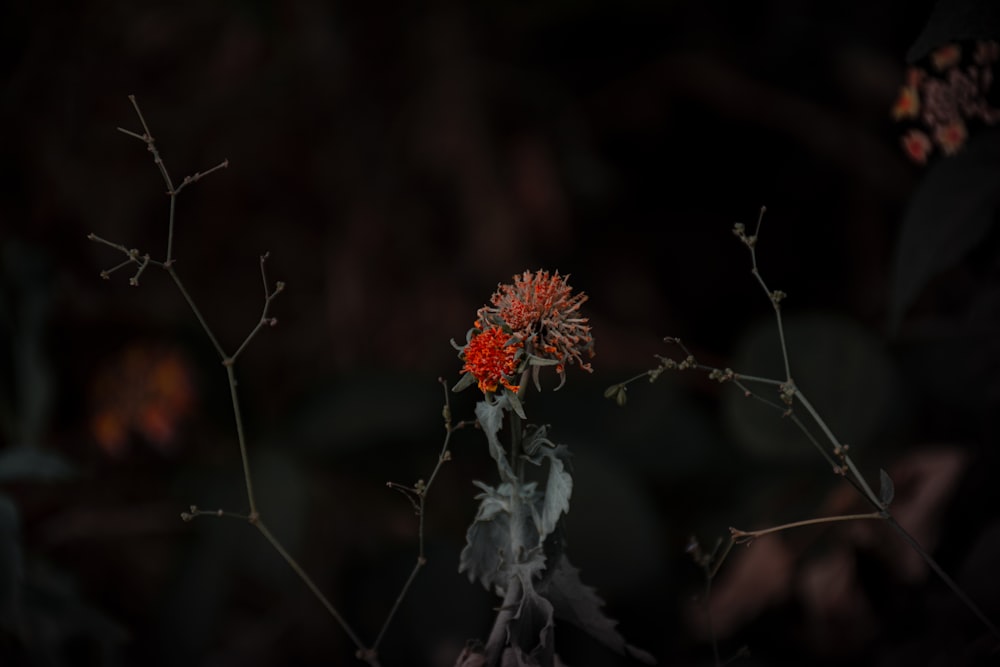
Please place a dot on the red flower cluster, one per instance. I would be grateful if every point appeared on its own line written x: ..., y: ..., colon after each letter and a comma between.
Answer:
x: 536, y: 317
x: 943, y: 99
x: 492, y: 359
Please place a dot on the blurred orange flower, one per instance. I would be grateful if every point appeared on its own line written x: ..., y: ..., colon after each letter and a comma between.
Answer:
x: 145, y: 389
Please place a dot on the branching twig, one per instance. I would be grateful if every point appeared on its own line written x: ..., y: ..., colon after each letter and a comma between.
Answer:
x: 133, y: 256
x: 790, y: 395
x: 419, y: 492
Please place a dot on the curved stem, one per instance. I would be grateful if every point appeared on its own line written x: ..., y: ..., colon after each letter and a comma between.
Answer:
x: 741, y: 536
x: 363, y: 653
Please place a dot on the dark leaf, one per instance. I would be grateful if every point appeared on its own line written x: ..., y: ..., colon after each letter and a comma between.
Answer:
x: 28, y: 463
x: 886, y: 489
x: 558, y: 489
x: 841, y: 366
x: 956, y: 20
x: 11, y: 563
x: 490, y: 414
x: 576, y: 603
x: 487, y: 547
x: 487, y: 555
x: 530, y: 632
x: 951, y: 212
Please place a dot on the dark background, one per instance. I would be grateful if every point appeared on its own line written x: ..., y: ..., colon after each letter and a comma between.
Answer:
x: 398, y: 160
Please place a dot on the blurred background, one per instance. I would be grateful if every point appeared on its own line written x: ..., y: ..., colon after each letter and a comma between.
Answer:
x: 398, y: 161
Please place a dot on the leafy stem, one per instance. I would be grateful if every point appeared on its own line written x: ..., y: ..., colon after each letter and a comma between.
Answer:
x: 498, y: 635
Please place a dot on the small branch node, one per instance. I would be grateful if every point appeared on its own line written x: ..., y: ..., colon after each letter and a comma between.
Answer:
x: 134, y: 280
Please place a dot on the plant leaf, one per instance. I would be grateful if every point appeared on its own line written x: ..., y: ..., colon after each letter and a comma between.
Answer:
x: 466, y: 381
x: 490, y: 416
x: 11, y: 562
x: 558, y: 490
x: 951, y: 211
x: 28, y: 463
x: 529, y: 632
x: 886, y: 489
x: 576, y: 603
x: 486, y: 551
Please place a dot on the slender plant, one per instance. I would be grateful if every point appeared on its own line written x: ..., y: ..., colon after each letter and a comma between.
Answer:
x: 515, y: 545
x: 417, y: 493
x: 787, y: 401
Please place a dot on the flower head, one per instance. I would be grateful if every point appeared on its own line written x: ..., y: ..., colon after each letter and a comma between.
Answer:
x: 907, y: 103
x: 917, y: 146
x: 491, y: 358
x: 946, y: 56
x: 541, y: 311
x: 951, y: 137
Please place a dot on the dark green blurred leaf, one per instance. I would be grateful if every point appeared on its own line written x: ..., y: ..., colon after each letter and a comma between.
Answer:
x: 28, y: 463
x: 11, y: 563
x: 59, y: 626
x: 956, y: 20
x: 576, y: 603
x: 952, y: 210
x: 843, y: 370
x: 25, y: 311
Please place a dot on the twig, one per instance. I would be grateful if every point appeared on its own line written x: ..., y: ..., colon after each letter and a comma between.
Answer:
x: 420, y: 491
x: 228, y: 361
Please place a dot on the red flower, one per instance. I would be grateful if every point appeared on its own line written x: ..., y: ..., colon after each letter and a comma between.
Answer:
x: 946, y: 56
x: 917, y: 146
x: 907, y: 104
x: 950, y: 137
x: 986, y: 53
x: 492, y: 359
x: 543, y: 313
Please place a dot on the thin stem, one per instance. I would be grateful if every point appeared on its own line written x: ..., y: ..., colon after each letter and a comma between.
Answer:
x: 421, y: 491
x: 198, y: 175
x: 773, y: 297
x: 741, y: 536
x: 220, y: 514
x: 363, y: 653
x: 197, y: 313
x: 955, y: 588
x: 264, y: 319
x: 838, y: 447
x: 150, y: 144
x: 421, y: 561
x: 170, y: 228
x: 241, y: 439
